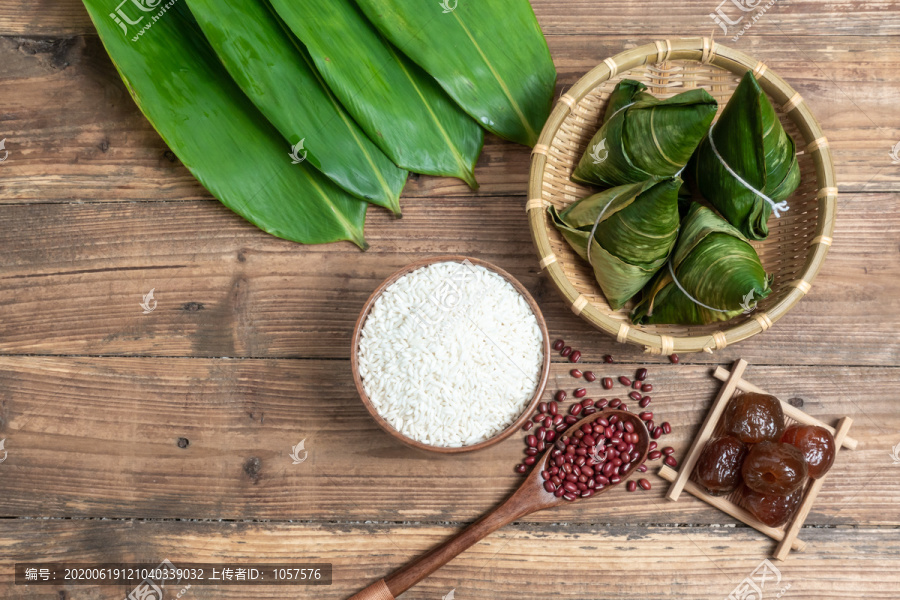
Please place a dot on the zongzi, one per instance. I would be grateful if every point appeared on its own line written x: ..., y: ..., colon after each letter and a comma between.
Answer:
x: 644, y: 137
x: 714, y: 274
x: 747, y: 166
x: 626, y: 233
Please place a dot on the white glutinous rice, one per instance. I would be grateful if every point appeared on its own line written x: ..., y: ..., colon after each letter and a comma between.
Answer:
x: 450, y: 354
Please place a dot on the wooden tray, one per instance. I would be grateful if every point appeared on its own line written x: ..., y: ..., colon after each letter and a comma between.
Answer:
x: 786, y: 535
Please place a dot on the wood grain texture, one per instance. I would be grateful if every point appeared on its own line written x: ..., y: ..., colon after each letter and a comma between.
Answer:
x: 92, y: 437
x: 74, y: 134
x: 686, y: 18
x: 521, y: 561
x: 74, y: 275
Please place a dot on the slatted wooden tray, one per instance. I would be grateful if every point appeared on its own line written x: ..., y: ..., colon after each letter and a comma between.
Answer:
x: 731, y: 504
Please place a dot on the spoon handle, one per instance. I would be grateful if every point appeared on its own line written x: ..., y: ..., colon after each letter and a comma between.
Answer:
x: 517, y: 506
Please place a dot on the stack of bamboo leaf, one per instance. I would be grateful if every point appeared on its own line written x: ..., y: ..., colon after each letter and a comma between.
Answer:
x: 297, y: 114
x: 689, y: 263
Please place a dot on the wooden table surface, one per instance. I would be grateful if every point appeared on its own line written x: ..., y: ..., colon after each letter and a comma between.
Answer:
x: 134, y: 437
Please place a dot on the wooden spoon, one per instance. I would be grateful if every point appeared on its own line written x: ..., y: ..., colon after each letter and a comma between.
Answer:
x: 530, y: 497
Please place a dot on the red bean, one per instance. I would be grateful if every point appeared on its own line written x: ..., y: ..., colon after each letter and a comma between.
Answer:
x: 561, y: 396
x: 545, y: 474
x: 587, y: 402
x: 607, y: 358
x: 569, y: 496
x: 668, y: 450
x: 601, y: 403
x: 538, y: 418
x: 607, y: 383
x: 615, y: 403
x: 575, y: 373
x: 629, y: 426
x: 647, y: 388
x: 673, y: 358
x: 652, y: 446
x: 549, y: 487
x: 624, y: 407
x: 636, y: 396
x: 589, y: 376
x: 657, y: 433
x: 645, y: 402
x: 613, y: 419
x: 631, y: 486
x: 635, y: 385
x: 644, y: 484
x: 575, y: 409
x: 667, y: 429
x: 641, y: 374
x: 566, y: 351
x: 558, y: 345
x: 575, y: 356
x: 542, y: 407
x: 531, y: 451
x: 531, y: 440
x: 670, y: 460
x: 553, y: 407
x: 570, y: 487
x: 521, y: 468
x: 571, y: 419
x: 641, y: 468
x: 646, y: 416
x: 602, y: 422
x: 558, y: 419
x: 559, y: 493
x: 528, y: 425
x: 530, y: 460
x: 624, y: 380
x: 615, y: 479
x: 580, y: 393
x: 654, y: 455
x: 588, y: 411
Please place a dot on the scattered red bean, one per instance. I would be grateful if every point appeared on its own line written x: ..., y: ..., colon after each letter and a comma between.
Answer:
x: 529, y: 460
x: 542, y: 407
x: 531, y: 441
x: 575, y: 356
x: 642, y: 468
x: 645, y: 402
x: 527, y: 426
x: 575, y: 373
x: 646, y: 416
x: 607, y: 358
x: 668, y: 450
x: 587, y: 402
x: 641, y: 374
x: 644, y: 484
x: 559, y: 345
x: 575, y: 409
x: 624, y: 381
x: 566, y: 351
x: 615, y: 403
x: 652, y: 446
x: 647, y: 388
x: 657, y: 433
x: 580, y: 393
x: 670, y: 460
x: 561, y: 396
x: 631, y: 486
x: 589, y: 376
x: 654, y: 455
x: 607, y: 383
x: 521, y: 468
x: 635, y: 396
x: 667, y: 429
x: 673, y: 358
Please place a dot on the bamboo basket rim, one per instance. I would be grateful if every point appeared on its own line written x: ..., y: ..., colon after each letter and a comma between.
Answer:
x: 706, y: 51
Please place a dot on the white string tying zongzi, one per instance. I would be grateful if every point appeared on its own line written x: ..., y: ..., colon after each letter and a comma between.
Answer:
x: 777, y: 207
x: 685, y: 292
x: 594, y: 230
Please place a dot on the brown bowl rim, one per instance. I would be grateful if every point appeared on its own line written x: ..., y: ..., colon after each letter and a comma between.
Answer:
x: 364, y: 313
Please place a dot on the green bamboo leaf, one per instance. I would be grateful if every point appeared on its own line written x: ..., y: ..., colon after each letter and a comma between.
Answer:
x: 491, y: 57
x: 715, y: 265
x: 278, y: 75
x: 636, y: 228
x: 750, y: 139
x: 402, y: 108
x: 180, y: 86
x: 644, y: 137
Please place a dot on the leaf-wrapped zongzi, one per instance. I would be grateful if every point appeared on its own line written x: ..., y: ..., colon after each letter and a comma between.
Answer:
x: 626, y: 233
x: 644, y: 137
x: 714, y: 274
x: 747, y: 166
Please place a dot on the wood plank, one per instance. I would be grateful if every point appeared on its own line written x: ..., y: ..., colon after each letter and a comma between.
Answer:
x: 74, y: 275
x: 100, y: 148
x: 682, y: 19
x: 521, y: 561
x: 100, y: 437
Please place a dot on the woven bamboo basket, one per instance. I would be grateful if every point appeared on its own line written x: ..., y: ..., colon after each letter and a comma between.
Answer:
x: 797, y: 242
